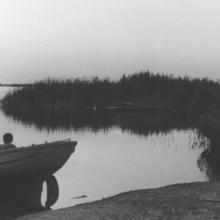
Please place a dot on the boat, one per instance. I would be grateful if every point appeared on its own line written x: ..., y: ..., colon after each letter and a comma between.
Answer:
x: 42, y: 159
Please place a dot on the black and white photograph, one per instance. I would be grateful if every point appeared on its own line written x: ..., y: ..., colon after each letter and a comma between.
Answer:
x: 109, y: 110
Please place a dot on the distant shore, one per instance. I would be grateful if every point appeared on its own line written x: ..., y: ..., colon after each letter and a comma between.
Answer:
x: 14, y: 85
x: 199, y: 200
x: 139, y: 92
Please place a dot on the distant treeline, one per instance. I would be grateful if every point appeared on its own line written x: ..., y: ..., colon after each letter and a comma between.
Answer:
x: 144, y: 89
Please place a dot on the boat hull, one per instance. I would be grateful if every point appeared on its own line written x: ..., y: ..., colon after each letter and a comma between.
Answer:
x: 44, y: 159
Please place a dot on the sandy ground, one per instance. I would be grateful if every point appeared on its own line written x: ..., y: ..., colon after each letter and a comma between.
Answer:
x: 181, y: 201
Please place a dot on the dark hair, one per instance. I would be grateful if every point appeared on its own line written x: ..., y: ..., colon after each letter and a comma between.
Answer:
x: 7, y: 138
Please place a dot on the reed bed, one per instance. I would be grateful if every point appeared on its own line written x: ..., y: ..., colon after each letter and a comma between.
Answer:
x: 71, y: 96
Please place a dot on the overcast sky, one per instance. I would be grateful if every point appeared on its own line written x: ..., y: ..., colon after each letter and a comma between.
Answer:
x: 73, y: 38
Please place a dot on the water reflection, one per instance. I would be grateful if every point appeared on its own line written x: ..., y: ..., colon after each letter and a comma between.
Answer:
x: 209, y: 160
x: 141, y: 124
x: 23, y: 195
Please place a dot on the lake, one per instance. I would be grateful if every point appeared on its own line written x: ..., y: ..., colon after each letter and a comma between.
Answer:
x: 114, y: 159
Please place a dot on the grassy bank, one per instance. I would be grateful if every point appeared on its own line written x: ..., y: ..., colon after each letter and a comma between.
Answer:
x: 141, y: 90
x: 181, y: 201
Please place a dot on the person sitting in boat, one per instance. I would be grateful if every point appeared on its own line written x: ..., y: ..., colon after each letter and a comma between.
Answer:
x: 7, y: 139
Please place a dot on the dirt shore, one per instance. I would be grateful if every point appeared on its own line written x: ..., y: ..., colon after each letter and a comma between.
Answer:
x: 199, y: 200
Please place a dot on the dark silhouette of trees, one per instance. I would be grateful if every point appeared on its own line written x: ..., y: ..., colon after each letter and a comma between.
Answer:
x: 144, y: 89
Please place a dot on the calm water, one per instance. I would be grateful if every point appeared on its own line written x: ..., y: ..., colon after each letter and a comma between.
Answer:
x: 115, y: 160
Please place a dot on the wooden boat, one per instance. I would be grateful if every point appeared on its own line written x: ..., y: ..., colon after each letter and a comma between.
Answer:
x: 42, y: 159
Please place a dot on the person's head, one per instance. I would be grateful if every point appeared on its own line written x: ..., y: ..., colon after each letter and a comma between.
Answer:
x: 7, y: 138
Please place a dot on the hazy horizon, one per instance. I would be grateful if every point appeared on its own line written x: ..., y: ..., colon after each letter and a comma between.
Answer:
x: 108, y: 38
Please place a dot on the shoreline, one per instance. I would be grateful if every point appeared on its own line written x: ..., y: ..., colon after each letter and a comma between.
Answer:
x: 197, y: 200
